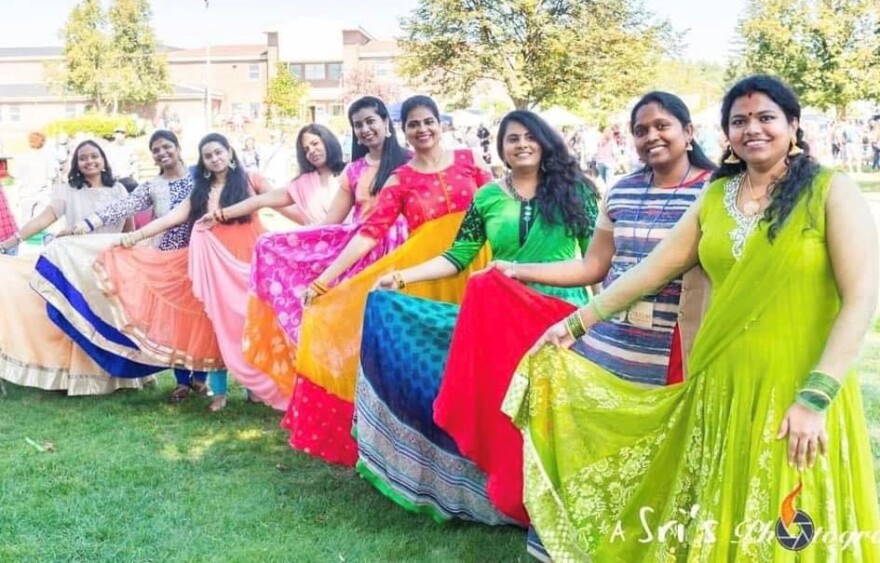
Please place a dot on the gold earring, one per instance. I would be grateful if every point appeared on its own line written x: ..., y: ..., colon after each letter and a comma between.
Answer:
x: 794, y: 150
x: 732, y: 159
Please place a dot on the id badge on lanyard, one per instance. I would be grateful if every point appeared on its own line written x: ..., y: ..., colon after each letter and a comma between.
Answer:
x: 640, y: 315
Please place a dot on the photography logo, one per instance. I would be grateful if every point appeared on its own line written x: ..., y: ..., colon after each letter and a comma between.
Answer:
x: 794, y: 528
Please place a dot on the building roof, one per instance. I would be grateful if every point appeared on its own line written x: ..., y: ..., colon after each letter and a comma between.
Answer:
x: 29, y: 52
x: 39, y: 92
x: 254, y: 51
x: 379, y: 48
x: 52, y: 51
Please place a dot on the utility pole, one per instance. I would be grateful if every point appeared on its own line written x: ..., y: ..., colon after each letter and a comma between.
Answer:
x: 209, y: 102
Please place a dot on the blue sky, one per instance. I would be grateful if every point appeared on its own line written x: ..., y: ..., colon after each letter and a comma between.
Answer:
x: 186, y: 23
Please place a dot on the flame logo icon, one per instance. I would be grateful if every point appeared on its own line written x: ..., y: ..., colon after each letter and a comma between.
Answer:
x: 794, y: 528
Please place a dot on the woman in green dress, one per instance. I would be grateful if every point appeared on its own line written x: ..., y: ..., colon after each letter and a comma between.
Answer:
x: 764, y: 449
x: 544, y: 209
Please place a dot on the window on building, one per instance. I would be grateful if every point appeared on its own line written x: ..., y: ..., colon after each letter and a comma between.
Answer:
x: 70, y: 111
x: 14, y: 113
x: 255, y: 108
x: 383, y: 68
x: 336, y: 110
x: 254, y: 71
x: 315, y: 71
x: 296, y: 70
x: 334, y: 71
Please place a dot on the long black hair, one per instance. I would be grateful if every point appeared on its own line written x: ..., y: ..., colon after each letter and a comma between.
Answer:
x: 564, y: 192
x: 75, y: 177
x: 802, y: 168
x: 332, y: 149
x: 237, y: 182
x: 677, y: 108
x: 167, y: 136
x: 393, y: 155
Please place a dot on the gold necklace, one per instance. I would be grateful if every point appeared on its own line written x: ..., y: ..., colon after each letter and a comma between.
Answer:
x: 753, y: 206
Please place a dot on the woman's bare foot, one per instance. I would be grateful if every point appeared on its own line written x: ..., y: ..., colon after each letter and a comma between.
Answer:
x: 218, y: 403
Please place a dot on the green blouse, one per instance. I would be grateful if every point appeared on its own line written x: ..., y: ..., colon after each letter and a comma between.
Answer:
x: 495, y: 217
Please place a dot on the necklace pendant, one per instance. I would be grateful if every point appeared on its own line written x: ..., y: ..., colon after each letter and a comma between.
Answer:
x: 751, y: 208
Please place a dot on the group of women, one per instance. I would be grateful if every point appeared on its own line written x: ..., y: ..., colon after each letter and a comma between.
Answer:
x: 707, y: 383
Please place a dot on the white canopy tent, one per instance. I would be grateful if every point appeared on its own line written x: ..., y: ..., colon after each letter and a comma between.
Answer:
x: 560, y: 117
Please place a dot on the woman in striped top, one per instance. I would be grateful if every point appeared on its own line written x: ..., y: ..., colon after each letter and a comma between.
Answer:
x: 635, y: 215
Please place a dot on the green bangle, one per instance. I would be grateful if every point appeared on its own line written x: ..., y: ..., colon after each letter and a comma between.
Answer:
x: 815, y: 403
x: 597, y: 310
x: 575, y: 325
x: 818, y: 391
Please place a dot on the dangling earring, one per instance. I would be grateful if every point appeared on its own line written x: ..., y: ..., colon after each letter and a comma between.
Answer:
x: 543, y: 167
x: 689, y: 147
x: 794, y: 150
x: 232, y: 165
x: 387, y: 133
x: 732, y: 159
x: 206, y: 174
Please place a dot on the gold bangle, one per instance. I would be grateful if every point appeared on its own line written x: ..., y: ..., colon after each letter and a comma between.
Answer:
x: 319, y: 287
x: 398, y: 279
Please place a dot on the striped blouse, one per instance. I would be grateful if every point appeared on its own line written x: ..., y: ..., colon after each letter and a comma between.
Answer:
x: 640, y: 216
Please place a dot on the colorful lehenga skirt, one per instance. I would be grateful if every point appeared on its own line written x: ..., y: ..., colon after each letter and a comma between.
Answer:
x: 36, y: 353
x: 219, y: 267
x: 401, y: 451
x: 65, y: 277
x: 321, y: 409
x: 152, y: 302
x: 430, y: 431
x: 284, y: 265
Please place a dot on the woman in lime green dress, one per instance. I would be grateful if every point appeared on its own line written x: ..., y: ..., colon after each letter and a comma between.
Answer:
x: 763, y: 453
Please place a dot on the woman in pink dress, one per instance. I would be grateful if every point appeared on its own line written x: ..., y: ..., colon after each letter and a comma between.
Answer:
x: 219, y: 258
x: 286, y: 263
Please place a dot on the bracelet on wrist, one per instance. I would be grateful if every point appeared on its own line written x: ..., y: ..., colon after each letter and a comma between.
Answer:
x: 398, y: 280
x: 89, y: 225
x: 17, y: 236
x: 575, y: 325
x: 818, y: 391
x: 318, y: 287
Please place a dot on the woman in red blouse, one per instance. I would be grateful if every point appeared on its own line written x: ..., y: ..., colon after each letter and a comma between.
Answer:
x: 431, y: 192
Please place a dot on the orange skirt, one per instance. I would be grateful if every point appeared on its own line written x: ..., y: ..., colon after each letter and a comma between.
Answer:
x: 153, y: 304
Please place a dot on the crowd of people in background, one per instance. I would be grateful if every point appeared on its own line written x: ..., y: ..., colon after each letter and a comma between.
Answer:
x: 513, y: 325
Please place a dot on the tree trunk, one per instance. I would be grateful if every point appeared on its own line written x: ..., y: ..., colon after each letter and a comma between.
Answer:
x: 520, y: 103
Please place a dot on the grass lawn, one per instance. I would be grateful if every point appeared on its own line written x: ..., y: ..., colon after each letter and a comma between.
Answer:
x: 133, y: 478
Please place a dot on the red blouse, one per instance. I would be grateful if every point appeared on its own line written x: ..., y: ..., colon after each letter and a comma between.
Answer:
x: 422, y: 197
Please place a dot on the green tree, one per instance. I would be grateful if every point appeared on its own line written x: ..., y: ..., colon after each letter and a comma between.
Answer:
x: 87, y: 52
x: 827, y: 50
x: 142, y: 73
x: 111, y: 58
x: 544, y: 51
x: 284, y: 96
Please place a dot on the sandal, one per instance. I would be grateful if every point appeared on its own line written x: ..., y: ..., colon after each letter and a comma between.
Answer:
x: 218, y: 404
x: 199, y: 387
x: 180, y: 394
